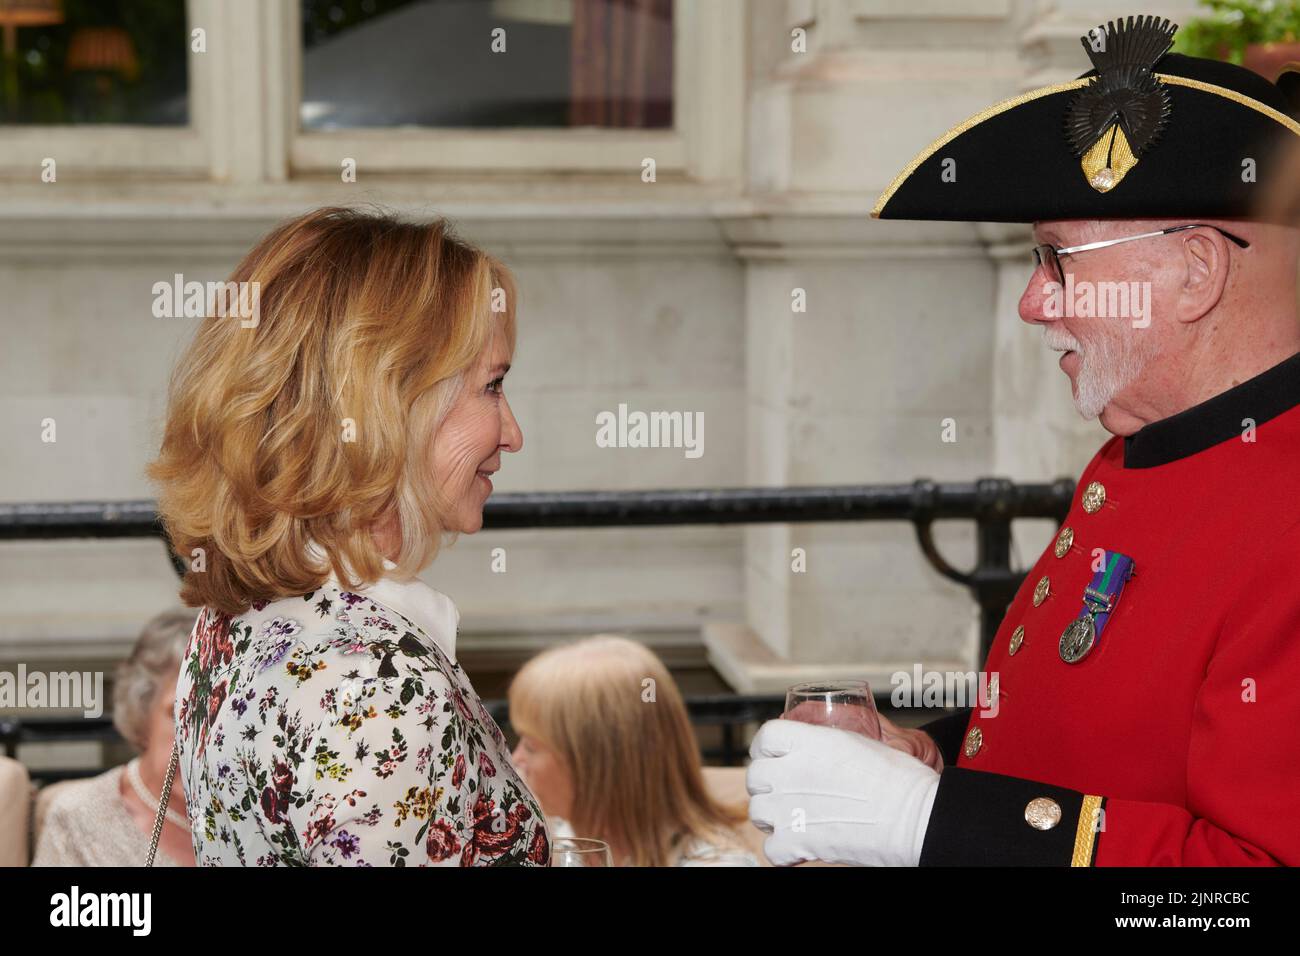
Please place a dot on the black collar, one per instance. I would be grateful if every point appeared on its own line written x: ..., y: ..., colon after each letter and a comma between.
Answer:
x: 1217, y: 419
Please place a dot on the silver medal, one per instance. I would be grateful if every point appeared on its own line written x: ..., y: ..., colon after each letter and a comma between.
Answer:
x: 1078, y: 639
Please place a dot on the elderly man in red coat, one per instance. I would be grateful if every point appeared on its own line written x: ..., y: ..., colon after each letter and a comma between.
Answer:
x: 1146, y: 708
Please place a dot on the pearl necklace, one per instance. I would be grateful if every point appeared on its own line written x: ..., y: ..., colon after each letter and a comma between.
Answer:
x: 148, y: 799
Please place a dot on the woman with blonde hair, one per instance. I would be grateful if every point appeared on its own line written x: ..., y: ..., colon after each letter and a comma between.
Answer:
x: 313, y: 460
x: 606, y: 744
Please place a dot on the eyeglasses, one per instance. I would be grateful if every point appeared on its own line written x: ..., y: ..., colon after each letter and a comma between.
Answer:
x: 1047, y: 255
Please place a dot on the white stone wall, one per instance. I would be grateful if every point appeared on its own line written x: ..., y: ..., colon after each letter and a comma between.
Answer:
x: 674, y: 295
x: 650, y: 316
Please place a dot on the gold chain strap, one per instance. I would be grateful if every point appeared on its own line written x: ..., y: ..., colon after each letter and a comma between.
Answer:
x: 161, y: 816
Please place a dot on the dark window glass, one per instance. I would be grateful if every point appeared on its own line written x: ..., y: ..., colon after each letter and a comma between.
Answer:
x: 604, y: 63
x: 94, y: 61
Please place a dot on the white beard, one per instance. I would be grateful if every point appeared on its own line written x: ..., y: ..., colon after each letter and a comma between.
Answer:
x: 1110, y: 365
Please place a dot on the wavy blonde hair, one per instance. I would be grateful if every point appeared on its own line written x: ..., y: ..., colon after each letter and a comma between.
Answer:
x: 317, y: 423
x: 634, y: 763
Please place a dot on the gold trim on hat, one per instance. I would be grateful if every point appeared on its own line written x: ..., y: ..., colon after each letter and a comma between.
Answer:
x: 960, y: 128
x: 1239, y: 98
x: 1287, y: 121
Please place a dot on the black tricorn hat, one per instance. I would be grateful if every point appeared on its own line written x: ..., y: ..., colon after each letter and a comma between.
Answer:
x: 1145, y: 134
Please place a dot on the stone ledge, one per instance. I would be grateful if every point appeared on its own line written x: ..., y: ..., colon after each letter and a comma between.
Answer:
x: 750, y: 667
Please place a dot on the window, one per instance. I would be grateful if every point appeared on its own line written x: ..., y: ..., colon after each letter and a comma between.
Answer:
x: 264, y: 91
x: 557, y: 100
x: 104, y: 87
x: 94, y: 61
x: 487, y: 63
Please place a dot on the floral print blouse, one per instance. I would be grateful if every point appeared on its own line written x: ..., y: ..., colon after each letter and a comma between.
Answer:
x: 331, y: 730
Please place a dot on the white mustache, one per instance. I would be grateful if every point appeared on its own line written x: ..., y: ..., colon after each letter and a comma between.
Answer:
x: 1059, y: 340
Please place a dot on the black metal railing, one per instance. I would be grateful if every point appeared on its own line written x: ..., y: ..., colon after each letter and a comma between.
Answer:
x: 992, y: 503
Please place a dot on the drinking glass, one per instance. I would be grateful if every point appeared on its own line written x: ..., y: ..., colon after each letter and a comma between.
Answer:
x: 846, y: 704
x: 580, y: 851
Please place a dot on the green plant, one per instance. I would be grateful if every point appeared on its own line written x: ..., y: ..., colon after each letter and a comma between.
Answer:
x: 1235, y: 24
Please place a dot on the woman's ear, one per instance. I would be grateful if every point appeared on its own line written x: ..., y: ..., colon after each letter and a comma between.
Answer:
x: 1205, y: 262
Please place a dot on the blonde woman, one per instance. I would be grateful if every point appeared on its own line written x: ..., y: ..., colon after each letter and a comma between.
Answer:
x: 313, y: 461
x: 606, y: 744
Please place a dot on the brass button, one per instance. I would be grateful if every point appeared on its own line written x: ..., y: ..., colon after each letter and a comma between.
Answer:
x: 1042, y: 813
x: 1094, y: 496
x: 1063, y: 542
x: 995, y: 685
x: 1041, y: 590
x: 974, y: 740
x: 1017, y: 638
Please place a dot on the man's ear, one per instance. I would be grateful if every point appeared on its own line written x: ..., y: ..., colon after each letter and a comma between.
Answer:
x: 1205, y: 262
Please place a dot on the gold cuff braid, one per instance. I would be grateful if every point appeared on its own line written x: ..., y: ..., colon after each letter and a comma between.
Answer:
x: 1085, y: 835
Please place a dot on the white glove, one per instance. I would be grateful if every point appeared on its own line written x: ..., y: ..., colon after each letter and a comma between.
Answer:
x: 832, y: 795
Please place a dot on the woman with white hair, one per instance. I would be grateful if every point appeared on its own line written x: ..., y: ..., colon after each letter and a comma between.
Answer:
x: 108, y: 820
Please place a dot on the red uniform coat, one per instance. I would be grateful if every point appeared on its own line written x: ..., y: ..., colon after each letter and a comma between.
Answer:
x: 1176, y: 740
